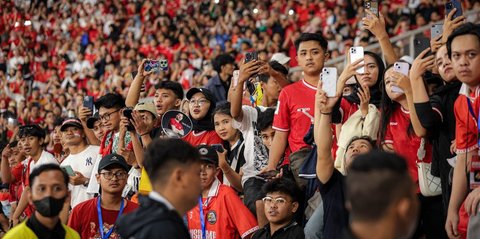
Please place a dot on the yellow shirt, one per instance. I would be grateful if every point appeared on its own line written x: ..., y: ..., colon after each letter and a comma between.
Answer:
x: 144, y: 187
x: 22, y: 231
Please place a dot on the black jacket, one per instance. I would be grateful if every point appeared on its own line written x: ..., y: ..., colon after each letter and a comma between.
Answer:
x: 152, y: 220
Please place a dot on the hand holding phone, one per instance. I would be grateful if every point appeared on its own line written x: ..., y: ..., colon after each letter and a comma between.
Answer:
x: 69, y: 170
x: 218, y: 147
x: 88, y: 102
x: 250, y: 56
x: 127, y: 112
x: 400, y: 67
x: 269, y: 174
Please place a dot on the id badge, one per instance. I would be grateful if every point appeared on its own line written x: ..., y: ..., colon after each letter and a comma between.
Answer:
x: 475, y: 172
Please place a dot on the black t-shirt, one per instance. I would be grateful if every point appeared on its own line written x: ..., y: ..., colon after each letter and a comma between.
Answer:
x: 335, y: 214
x: 291, y: 231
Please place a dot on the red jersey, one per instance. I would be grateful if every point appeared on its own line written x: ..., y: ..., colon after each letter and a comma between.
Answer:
x: 84, y: 219
x: 406, y: 144
x: 203, y: 137
x: 295, y: 112
x: 225, y: 216
x: 466, y: 130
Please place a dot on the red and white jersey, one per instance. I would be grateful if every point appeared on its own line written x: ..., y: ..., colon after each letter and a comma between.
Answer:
x: 225, y: 216
x: 202, y: 137
x: 405, y: 144
x: 295, y: 112
x: 466, y: 129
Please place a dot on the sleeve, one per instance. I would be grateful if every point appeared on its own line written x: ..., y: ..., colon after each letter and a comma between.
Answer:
x: 430, y: 113
x: 17, y: 172
x: 241, y: 216
x: 281, y: 119
x: 74, y: 220
x: 465, y: 134
x: 249, y: 115
x: 388, y: 135
x: 213, y: 138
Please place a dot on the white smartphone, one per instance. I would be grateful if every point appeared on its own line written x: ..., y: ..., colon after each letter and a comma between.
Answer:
x: 356, y: 53
x: 400, y: 67
x: 329, y: 80
x: 69, y: 170
x: 235, y: 77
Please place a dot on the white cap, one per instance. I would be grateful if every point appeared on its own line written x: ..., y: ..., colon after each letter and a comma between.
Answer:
x: 280, y: 58
x: 407, y: 59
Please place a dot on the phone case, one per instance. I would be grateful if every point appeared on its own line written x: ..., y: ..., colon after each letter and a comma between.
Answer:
x: 449, y: 6
x: 356, y: 53
x: 401, y: 67
x: 235, y: 77
x: 372, y: 6
x: 436, y: 31
x: 329, y: 80
x: 420, y: 44
x: 69, y: 170
x: 88, y: 102
x: 250, y: 56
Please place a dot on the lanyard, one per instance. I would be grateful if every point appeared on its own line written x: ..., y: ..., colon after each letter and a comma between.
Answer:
x: 100, y: 219
x: 470, y: 108
x: 202, y: 217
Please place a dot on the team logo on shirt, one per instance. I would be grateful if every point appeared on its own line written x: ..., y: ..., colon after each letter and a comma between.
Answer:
x: 211, y: 217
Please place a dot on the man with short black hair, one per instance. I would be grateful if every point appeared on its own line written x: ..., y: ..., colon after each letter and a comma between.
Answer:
x: 381, y: 197
x: 282, y: 199
x: 49, y: 185
x: 224, y: 65
x: 173, y: 167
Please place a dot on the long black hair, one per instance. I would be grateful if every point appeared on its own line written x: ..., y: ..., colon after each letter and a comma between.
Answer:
x: 375, y: 90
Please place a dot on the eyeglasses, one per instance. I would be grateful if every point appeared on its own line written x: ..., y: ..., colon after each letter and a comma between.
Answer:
x: 106, y: 116
x: 200, y: 102
x: 270, y: 200
x: 120, y: 175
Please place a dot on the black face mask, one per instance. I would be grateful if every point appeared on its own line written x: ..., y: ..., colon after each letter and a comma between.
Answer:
x: 49, y: 206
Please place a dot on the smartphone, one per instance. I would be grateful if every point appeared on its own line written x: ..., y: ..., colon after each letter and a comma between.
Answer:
x: 152, y: 65
x: 250, y: 56
x: 12, y: 121
x: 163, y: 65
x: 268, y: 175
x: 88, y: 102
x: 127, y: 112
x: 356, y: 53
x: 449, y: 6
x: 400, y: 67
x: 218, y: 147
x: 371, y: 5
x: 420, y: 44
x: 329, y: 79
x: 235, y: 77
x: 69, y: 170
x: 436, y: 30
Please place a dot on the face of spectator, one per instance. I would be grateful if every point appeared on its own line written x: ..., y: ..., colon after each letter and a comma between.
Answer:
x: 359, y: 146
x: 199, y: 106
x: 267, y: 136
x: 98, y: 130
x: 113, y: 180
x: 279, y: 208
x: 110, y: 118
x: 228, y: 69
x: 310, y: 57
x: 389, y: 79
x: 147, y: 117
x: 31, y: 145
x: 57, y: 135
x: 271, y: 89
x: 73, y: 136
x: 166, y: 100
x: 34, y: 112
x: 224, y: 128
x: 444, y: 65
x: 208, y: 174
x: 466, y: 59
x: 49, y: 118
x: 371, y: 72
x: 48, y: 184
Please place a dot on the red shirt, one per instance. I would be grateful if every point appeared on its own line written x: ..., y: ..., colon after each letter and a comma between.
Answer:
x: 203, y: 137
x: 226, y: 217
x: 404, y: 144
x: 84, y: 219
x: 466, y: 130
x: 296, y: 104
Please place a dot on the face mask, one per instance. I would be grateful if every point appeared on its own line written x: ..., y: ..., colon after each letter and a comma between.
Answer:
x: 49, y: 206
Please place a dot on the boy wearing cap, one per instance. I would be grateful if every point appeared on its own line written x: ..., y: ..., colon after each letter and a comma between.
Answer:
x: 81, y: 159
x: 220, y: 212
x: 97, y: 217
x: 32, y: 139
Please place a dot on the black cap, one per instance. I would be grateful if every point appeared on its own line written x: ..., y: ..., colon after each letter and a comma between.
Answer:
x: 208, y: 95
x: 75, y: 122
x: 92, y: 119
x: 113, y: 159
x: 208, y: 153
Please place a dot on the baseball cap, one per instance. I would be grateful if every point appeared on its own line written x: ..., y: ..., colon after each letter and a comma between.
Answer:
x: 75, y: 122
x: 113, y: 159
x: 208, y: 153
x: 147, y: 106
x: 92, y: 119
x: 208, y: 95
x: 280, y: 58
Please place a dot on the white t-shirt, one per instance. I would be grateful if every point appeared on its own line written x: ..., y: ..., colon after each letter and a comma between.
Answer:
x: 82, y: 162
x: 45, y: 158
x: 256, y: 154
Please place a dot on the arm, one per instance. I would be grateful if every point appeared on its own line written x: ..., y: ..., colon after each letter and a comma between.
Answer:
x: 459, y: 192
x: 7, y: 176
x: 376, y: 25
x: 83, y: 114
x: 233, y: 177
x: 236, y: 92
x: 134, y: 90
x: 277, y: 150
x: 22, y: 205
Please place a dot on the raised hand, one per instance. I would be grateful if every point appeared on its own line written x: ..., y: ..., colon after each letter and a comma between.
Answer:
x: 450, y: 25
x: 421, y: 65
x: 376, y: 25
x: 364, y: 96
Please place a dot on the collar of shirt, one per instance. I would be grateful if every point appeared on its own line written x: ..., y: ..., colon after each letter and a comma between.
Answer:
x: 280, y: 230
x: 464, y: 90
x: 159, y: 198
x: 43, y: 232
x: 213, y: 192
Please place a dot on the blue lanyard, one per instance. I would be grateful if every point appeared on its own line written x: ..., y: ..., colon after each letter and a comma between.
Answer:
x: 100, y: 219
x: 202, y: 218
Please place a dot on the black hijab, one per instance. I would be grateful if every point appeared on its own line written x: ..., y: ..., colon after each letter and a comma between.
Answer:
x: 206, y: 123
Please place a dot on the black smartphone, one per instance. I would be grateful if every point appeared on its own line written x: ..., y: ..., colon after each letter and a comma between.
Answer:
x: 420, y: 44
x: 88, y: 102
x: 127, y: 112
x: 218, y: 147
x: 371, y: 5
x: 269, y: 175
x: 250, y: 56
x: 449, y: 6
